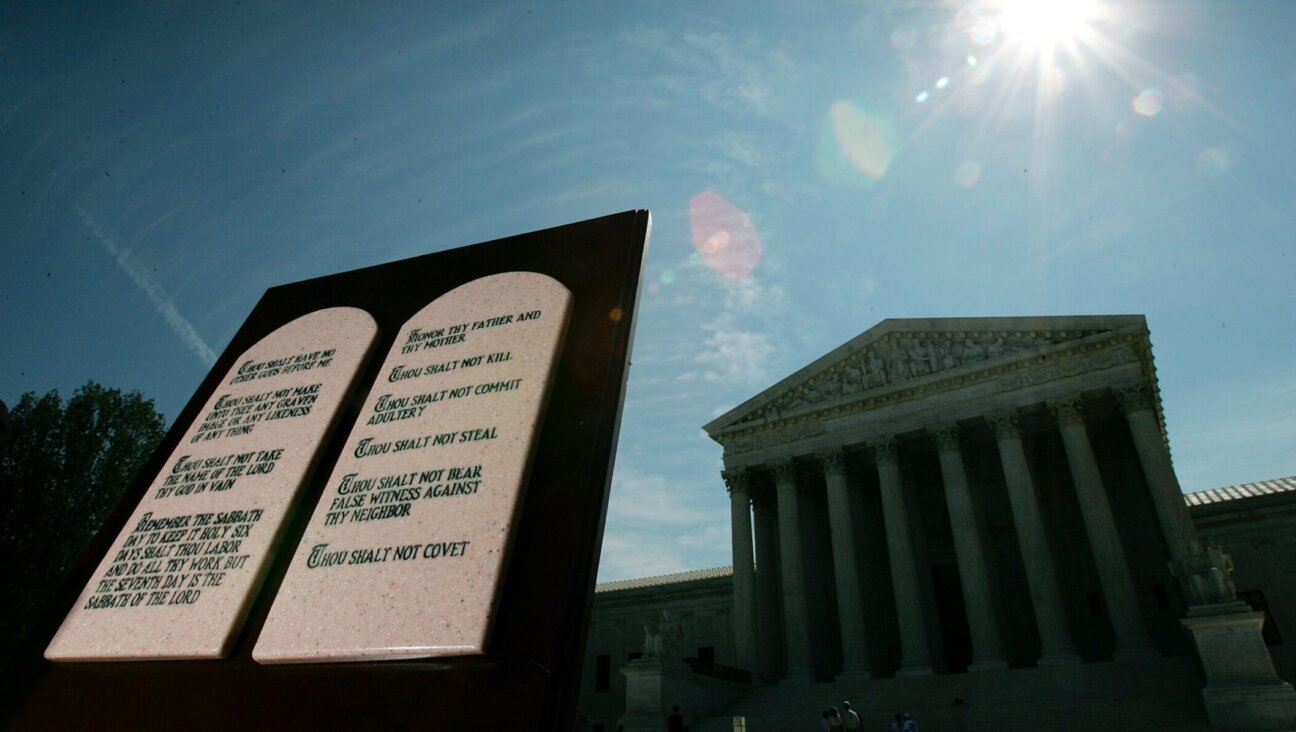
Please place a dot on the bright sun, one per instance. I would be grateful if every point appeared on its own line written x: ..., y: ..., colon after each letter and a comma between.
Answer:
x: 1045, y: 22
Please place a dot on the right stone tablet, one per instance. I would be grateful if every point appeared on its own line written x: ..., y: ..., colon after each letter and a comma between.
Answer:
x: 404, y: 553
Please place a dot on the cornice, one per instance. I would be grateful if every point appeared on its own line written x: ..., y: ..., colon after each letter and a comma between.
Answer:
x: 997, y: 378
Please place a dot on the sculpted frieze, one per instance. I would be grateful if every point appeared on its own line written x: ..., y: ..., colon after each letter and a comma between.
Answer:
x: 1073, y: 367
x: 970, y: 386
x: 900, y: 357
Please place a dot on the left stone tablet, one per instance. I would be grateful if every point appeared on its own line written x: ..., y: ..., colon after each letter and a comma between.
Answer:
x: 180, y: 578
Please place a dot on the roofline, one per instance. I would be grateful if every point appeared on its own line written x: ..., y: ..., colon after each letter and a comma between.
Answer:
x: 661, y: 580
x: 898, y: 325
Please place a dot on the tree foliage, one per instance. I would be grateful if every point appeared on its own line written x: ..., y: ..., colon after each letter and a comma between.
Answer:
x: 63, y: 468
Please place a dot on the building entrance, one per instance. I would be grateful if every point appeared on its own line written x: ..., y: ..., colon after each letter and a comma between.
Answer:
x: 952, y: 616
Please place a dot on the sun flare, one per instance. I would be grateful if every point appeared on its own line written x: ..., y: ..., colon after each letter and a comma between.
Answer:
x: 1046, y: 22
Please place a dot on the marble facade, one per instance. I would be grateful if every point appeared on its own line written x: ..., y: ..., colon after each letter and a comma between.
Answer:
x: 1253, y: 522
x: 981, y: 458
x: 941, y: 496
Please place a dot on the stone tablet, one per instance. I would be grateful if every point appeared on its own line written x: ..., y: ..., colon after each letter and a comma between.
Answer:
x: 180, y: 577
x: 404, y: 554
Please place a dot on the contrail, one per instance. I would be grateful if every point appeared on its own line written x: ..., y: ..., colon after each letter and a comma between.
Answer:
x: 161, y: 302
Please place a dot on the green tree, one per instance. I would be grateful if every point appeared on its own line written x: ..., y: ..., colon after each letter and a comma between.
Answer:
x: 63, y: 468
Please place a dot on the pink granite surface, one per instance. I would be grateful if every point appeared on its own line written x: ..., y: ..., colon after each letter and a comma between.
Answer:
x: 404, y: 554
x: 179, y: 579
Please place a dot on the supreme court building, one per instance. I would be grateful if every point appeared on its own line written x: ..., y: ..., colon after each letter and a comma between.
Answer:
x: 940, y: 496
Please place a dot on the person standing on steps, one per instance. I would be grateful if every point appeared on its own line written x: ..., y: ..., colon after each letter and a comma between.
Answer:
x: 962, y: 715
x: 675, y: 723
x: 850, y: 720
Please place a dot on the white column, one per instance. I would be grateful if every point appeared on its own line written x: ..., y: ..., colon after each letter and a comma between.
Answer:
x: 768, y: 587
x: 1050, y: 615
x: 850, y: 604
x: 914, y: 648
x: 796, y: 628
x: 1136, y: 401
x: 987, y: 649
x: 1132, y: 638
x: 744, y: 577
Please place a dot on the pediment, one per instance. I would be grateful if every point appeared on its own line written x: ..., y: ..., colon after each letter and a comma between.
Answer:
x: 902, y: 353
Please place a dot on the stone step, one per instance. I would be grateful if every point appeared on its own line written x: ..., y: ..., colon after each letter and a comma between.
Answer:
x: 1158, y: 694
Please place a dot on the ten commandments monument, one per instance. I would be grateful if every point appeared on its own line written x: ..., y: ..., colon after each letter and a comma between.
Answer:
x: 397, y: 463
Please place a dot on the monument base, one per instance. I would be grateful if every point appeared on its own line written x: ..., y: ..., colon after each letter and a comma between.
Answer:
x: 914, y: 672
x: 1242, y: 690
x: 991, y: 665
x: 796, y: 679
x: 655, y: 686
x: 1061, y: 660
x: 1136, y: 653
x: 854, y: 674
x: 1268, y: 707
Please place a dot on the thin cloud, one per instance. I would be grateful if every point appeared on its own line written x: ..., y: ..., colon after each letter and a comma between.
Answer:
x: 1218, y: 449
x: 676, y: 522
x: 736, y: 357
x: 752, y: 297
x: 736, y: 72
x: 752, y: 74
x: 648, y: 500
x: 739, y: 346
x: 161, y: 301
x: 623, y: 555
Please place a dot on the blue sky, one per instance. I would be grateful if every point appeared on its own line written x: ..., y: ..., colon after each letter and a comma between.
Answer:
x: 162, y: 165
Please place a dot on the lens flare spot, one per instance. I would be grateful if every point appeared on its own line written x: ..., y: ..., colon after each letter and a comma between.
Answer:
x: 863, y: 140
x: 694, y: 258
x: 615, y: 315
x: 984, y: 33
x: 968, y: 174
x: 922, y: 97
x: 971, y: 60
x: 1148, y: 103
x: 902, y: 38
x: 667, y: 277
x: 654, y: 287
x: 723, y: 235
x: 715, y: 243
x: 978, y: 23
x: 1212, y: 161
x: 942, y: 82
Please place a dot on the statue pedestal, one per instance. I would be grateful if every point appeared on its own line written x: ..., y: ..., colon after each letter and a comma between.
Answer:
x: 654, y: 686
x: 1242, y: 690
x: 651, y: 691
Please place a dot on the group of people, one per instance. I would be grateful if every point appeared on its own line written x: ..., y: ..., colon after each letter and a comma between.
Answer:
x: 835, y: 721
x: 904, y: 723
x: 848, y: 721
